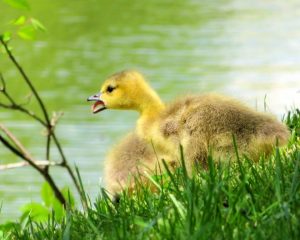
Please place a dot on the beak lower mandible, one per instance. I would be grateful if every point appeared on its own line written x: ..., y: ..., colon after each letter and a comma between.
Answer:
x: 95, y: 97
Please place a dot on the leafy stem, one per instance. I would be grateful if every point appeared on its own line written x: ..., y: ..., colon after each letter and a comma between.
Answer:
x: 44, y: 121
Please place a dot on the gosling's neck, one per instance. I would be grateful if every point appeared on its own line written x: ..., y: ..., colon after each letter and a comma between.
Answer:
x: 150, y: 111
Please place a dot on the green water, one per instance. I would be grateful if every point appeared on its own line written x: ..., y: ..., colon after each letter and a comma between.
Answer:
x: 246, y: 49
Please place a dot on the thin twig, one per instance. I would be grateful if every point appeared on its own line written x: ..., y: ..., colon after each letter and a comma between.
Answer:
x: 25, y: 155
x: 57, y: 143
x: 31, y: 162
x: 15, y: 141
x: 14, y: 106
x: 46, y: 122
x: 29, y: 113
x: 3, y: 83
x: 48, y: 145
x: 14, y: 150
x: 24, y: 110
x: 27, y: 80
x: 35, y: 93
x: 5, y: 105
x: 65, y: 164
x: 41, y: 163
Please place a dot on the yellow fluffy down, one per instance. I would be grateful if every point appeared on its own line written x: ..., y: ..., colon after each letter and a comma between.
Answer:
x: 130, y: 158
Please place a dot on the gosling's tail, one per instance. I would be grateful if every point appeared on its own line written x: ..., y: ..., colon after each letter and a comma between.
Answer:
x: 270, y: 134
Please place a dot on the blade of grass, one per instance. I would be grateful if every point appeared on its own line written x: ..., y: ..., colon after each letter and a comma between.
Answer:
x: 179, y: 207
x: 295, y: 182
x: 83, y: 197
x: 171, y: 175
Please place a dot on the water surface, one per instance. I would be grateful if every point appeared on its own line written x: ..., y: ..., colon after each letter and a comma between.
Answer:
x: 246, y: 49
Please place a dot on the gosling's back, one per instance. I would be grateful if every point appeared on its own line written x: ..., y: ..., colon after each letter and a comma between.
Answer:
x: 208, y: 122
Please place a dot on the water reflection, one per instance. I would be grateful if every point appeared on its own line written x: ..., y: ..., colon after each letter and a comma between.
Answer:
x: 247, y: 49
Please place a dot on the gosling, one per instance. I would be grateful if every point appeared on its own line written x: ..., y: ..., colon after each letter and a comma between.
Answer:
x: 203, y: 125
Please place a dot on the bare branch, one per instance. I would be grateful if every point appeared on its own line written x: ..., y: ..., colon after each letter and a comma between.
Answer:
x: 29, y: 113
x: 27, y: 100
x: 38, y: 98
x: 48, y: 145
x: 23, y: 153
x: 46, y: 122
x: 16, y: 142
x: 5, y: 105
x: 23, y: 110
x: 14, y: 150
x: 55, y: 118
x: 3, y: 87
x: 41, y: 163
x: 14, y: 106
x: 27, y: 80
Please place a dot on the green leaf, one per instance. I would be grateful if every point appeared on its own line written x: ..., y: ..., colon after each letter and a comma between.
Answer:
x: 51, y: 202
x: 68, y: 196
x: 37, y: 25
x: 19, y: 21
x: 21, y: 4
x: 47, y: 194
x: 27, y: 32
x: 36, y: 211
x: 58, y: 209
x: 6, y: 36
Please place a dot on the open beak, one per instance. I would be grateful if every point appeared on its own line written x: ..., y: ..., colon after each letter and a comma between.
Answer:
x: 99, y: 105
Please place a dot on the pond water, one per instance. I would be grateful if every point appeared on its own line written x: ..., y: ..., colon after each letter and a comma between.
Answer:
x: 246, y: 49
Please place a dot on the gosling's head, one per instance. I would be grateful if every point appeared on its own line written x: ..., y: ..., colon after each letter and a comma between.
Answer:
x: 123, y: 90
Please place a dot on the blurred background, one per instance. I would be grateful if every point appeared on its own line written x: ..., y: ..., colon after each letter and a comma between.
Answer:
x: 249, y: 49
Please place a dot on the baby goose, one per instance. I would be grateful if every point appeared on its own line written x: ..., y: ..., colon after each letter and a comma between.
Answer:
x: 201, y: 124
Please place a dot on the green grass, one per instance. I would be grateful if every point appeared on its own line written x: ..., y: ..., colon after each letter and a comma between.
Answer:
x: 240, y: 200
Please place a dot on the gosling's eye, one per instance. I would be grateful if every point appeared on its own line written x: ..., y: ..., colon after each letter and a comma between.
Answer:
x: 110, y: 89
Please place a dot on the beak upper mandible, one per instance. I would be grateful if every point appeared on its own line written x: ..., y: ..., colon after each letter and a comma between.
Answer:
x: 95, y: 97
